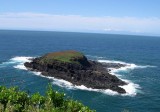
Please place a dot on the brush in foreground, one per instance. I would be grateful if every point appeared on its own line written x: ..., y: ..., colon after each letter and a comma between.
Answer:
x: 14, y: 100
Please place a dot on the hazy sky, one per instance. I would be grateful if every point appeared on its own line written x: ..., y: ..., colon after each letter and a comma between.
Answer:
x: 103, y: 16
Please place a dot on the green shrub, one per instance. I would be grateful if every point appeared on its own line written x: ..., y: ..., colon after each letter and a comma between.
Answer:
x: 14, y: 100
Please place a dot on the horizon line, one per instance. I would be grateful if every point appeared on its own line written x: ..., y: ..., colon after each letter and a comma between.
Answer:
x: 61, y: 31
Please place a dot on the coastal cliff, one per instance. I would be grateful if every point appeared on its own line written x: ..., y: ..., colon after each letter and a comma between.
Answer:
x: 74, y: 67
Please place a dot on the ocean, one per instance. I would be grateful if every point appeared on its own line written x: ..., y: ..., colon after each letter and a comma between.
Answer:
x: 140, y: 53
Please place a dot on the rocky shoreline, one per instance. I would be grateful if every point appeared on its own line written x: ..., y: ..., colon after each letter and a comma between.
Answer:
x: 78, y: 70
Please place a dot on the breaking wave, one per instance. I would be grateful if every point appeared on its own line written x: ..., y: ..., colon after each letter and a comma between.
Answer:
x: 130, y: 88
x: 68, y: 85
x: 17, y: 62
x: 129, y: 66
x: 20, y: 62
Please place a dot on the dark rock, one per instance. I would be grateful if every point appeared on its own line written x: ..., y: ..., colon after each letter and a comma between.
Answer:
x: 80, y: 71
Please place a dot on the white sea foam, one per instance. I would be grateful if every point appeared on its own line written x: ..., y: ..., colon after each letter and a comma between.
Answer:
x: 20, y: 62
x: 21, y: 66
x: 68, y: 85
x: 17, y: 62
x: 105, y: 91
x: 129, y: 66
x: 130, y: 88
x: 21, y: 59
x: 96, y: 57
x: 112, y: 61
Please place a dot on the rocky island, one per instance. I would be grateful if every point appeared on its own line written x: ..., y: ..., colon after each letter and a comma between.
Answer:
x: 74, y: 67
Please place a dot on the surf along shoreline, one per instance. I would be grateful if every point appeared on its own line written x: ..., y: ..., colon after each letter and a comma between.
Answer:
x: 131, y: 88
x: 75, y: 68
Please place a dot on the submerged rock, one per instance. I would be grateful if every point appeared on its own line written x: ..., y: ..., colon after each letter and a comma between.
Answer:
x: 74, y: 67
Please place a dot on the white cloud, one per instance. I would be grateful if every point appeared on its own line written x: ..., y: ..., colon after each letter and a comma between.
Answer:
x: 79, y: 23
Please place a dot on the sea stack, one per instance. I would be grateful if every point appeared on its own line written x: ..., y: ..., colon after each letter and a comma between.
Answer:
x: 74, y: 67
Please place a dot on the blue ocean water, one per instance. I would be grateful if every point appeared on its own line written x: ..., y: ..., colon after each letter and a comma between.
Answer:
x: 142, y: 53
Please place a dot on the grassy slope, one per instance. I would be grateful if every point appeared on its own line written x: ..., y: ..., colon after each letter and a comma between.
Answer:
x: 64, y: 56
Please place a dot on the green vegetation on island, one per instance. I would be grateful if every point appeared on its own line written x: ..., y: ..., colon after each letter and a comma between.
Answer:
x: 63, y: 56
x: 14, y: 100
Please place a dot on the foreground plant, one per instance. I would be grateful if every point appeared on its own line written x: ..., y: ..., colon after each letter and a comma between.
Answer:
x: 14, y: 100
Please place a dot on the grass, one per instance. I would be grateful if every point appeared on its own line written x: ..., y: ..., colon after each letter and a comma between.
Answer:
x: 64, y: 56
x: 14, y: 100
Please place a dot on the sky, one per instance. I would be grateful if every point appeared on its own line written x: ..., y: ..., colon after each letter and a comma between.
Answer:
x: 100, y: 16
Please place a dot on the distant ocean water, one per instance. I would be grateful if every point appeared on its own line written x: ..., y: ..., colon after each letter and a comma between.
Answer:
x: 140, y: 53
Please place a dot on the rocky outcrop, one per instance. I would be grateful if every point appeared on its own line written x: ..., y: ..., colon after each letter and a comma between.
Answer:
x: 79, y: 71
